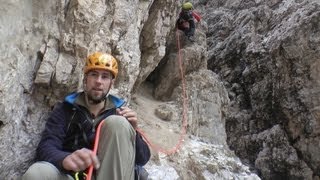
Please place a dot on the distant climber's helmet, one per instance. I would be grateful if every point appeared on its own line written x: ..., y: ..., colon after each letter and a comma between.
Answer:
x: 187, y: 6
x: 101, y: 61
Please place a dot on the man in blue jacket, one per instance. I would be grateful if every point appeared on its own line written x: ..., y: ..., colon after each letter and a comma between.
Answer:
x: 65, y: 148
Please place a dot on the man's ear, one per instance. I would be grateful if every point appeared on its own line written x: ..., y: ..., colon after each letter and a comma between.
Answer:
x: 84, y: 82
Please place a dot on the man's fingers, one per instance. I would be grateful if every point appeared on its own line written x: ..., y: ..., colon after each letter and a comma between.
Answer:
x: 129, y: 114
x: 85, y: 155
x: 95, y: 160
x: 90, y: 158
x: 79, y: 164
x: 71, y: 162
x: 126, y: 112
x: 83, y: 158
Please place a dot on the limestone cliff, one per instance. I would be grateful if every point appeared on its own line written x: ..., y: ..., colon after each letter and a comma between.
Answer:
x: 267, y: 53
x: 250, y: 80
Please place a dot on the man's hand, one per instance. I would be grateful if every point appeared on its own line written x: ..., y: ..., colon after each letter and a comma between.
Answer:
x: 130, y: 115
x: 80, y: 160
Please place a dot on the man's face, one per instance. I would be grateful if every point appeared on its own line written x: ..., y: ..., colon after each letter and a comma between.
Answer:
x: 97, y: 84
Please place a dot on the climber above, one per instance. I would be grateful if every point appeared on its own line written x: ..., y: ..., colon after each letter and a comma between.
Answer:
x: 186, y: 20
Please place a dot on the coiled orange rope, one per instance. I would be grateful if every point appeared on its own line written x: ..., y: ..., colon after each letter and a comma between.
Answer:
x: 184, y: 111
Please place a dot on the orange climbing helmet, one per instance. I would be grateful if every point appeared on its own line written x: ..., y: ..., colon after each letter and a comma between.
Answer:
x: 187, y: 6
x: 103, y: 61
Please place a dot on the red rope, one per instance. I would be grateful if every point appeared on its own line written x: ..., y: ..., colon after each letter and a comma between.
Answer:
x: 184, y: 111
x: 95, y: 148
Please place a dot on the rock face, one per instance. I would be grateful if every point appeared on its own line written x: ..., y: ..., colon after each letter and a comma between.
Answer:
x: 267, y: 52
x: 46, y: 43
x: 262, y: 58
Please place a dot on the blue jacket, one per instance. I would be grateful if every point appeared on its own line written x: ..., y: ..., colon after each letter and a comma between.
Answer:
x: 69, y: 127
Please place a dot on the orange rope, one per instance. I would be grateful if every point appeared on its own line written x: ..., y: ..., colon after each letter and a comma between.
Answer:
x: 184, y: 111
x: 95, y: 148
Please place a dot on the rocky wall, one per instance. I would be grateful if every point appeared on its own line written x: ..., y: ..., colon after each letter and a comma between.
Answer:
x: 267, y: 53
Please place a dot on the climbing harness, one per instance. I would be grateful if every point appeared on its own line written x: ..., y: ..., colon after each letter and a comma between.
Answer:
x: 80, y: 176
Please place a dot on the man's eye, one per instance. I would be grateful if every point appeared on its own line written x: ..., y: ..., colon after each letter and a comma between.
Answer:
x: 94, y: 74
x: 105, y: 77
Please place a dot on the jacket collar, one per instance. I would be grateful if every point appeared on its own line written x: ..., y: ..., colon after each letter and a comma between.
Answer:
x: 77, y: 98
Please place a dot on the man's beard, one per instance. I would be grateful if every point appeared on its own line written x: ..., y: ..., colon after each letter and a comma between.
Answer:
x: 96, y: 100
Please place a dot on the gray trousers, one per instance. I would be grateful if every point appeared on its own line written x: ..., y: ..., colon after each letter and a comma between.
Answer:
x: 116, y: 153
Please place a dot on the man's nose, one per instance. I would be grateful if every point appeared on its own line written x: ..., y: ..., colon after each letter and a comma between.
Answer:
x: 99, y: 79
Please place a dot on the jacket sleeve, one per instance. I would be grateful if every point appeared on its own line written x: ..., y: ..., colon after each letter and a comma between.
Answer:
x: 142, y: 151
x: 51, y: 143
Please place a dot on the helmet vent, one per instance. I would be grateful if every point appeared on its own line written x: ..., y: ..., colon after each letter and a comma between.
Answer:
x: 101, y: 61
